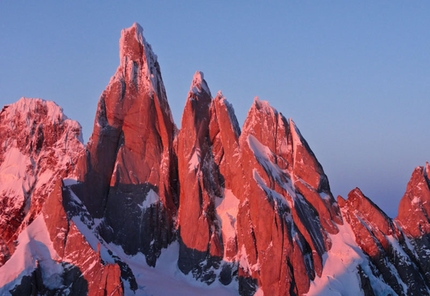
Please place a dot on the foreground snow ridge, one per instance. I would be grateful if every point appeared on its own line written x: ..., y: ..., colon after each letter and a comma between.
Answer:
x: 210, y: 209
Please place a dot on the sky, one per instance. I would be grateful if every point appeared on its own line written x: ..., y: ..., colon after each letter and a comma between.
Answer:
x: 353, y: 75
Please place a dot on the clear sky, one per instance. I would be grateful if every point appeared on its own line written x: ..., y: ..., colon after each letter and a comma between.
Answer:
x: 355, y: 77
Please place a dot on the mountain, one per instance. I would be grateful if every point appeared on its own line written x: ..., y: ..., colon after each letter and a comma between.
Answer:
x: 145, y: 208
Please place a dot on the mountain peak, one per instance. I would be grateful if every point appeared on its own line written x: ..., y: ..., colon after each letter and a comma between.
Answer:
x: 243, y: 212
x: 199, y: 84
x: 131, y: 43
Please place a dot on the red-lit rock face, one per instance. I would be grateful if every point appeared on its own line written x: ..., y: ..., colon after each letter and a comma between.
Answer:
x: 414, y: 208
x: 249, y: 209
x: 73, y: 248
x: 37, y: 145
x: 271, y: 191
x: 130, y: 159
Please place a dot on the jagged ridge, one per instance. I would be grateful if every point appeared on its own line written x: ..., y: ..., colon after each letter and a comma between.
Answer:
x: 239, y: 211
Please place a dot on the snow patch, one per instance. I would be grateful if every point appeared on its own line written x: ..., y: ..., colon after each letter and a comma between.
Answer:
x: 265, y: 158
x: 199, y: 84
x: 296, y: 139
x: 194, y: 162
x: 340, y: 274
x: 325, y: 196
x: 166, y: 278
x: 34, y: 248
x: 416, y: 200
x: 17, y: 178
x: 152, y: 280
x: 244, y: 262
x: 69, y: 182
x: 264, y: 106
x: 151, y: 198
x: 277, y: 198
x: 398, y: 249
x: 226, y: 209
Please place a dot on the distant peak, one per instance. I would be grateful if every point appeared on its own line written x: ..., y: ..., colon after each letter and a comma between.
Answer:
x: 28, y: 105
x: 199, y: 84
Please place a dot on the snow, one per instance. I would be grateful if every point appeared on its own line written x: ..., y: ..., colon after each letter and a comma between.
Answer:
x: 264, y: 106
x: 34, y: 247
x: 344, y: 256
x: 167, y: 279
x: 340, y: 276
x: 296, y: 139
x: 415, y: 200
x: 26, y: 108
x: 151, y: 198
x: 69, y: 182
x: 264, y: 157
x: 244, y: 262
x: 269, y: 192
x: 231, y: 115
x: 15, y: 176
x: 194, y: 161
x: 325, y: 196
x: 243, y: 259
x: 25, y: 105
x: 199, y: 84
x: 226, y: 209
x: 411, y: 246
x: 399, y: 250
x: 16, y: 179
x: 163, y: 279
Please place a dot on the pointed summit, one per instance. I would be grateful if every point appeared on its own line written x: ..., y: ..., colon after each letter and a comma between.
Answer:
x: 131, y: 43
x: 199, y: 84
x: 131, y: 150
x: 138, y: 63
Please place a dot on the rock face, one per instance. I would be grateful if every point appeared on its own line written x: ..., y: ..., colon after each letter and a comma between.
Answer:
x: 285, y: 212
x: 199, y: 180
x: 209, y: 209
x: 129, y: 173
x: 385, y: 245
x: 414, y: 217
x: 40, y: 146
x: 37, y: 145
x: 94, y: 277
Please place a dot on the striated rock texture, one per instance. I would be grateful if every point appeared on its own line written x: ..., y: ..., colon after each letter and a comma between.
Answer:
x: 285, y: 212
x: 200, y: 234
x: 262, y: 171
x: 129, y: 172
x: 145, y: 209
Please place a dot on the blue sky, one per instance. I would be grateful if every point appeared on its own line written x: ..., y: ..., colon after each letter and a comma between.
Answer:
x: 353, y: 76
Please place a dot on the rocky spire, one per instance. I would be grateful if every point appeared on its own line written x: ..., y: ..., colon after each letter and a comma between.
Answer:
x: 130, y: 160
x: 200, y: 237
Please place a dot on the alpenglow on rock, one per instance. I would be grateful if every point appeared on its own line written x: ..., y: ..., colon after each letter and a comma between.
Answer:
x: 210, y: 209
